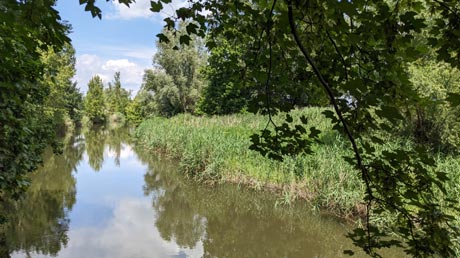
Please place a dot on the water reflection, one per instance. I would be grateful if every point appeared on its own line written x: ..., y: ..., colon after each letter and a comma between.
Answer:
x: 39, y: 222
x: 139, y: 205
x: 96, y: 141
x: 94, y: 148
x: 229, y: 222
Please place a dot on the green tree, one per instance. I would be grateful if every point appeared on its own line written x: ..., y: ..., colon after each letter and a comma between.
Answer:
x: 27, y: 28
x: 117, y: 98
x: 134, y: 112
x: 175, y: 83
x: 231, y: 65
x: 64, y: 101
x: 357, y: 52
x: 224, y: 93
x: 94, y: 101
x: 160, y: 94
x: 74, y: 102
x: 433, y: 121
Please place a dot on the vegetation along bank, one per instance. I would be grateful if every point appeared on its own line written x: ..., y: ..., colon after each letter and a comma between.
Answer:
x: 216, y: 149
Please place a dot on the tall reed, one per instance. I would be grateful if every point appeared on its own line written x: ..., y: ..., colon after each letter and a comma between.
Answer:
x: 216, y: 149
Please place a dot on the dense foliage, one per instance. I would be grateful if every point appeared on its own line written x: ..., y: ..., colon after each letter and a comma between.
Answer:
x: 95, y: 101
x: 433, y: 121
x: 116, y: 98
x: 237, y: 73
x: 173, y: 86
x: 64, y: 102
x: 29, y: 32
x: 357, y: 52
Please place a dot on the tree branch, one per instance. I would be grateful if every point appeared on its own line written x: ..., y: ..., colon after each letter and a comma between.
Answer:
x: 267, y: 82
x: 342, y: 120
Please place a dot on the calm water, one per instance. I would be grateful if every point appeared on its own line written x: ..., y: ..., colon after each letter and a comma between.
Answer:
x: 103, y: 197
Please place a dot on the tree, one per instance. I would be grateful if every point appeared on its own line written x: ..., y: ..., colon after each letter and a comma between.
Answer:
x: 117, y: 98
x: 175, y: 82
x: 159, y: 89
x: 64, y: 101
x: 27, y: 28
x: 357, y: 52
x: 432, y: 121
x: 94, y: 101
x: 236, y: 58
x: 74, y: 102
x: 134, y: 112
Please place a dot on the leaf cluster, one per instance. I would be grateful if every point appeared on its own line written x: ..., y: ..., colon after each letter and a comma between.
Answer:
x: 357, y: 52
x: 27, y: 28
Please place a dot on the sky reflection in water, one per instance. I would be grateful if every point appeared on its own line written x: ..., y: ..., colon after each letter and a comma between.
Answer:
x: 105, y: 197
x: 112, y: 216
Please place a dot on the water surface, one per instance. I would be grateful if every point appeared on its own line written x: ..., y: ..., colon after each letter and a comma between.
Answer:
x: 105, y: 197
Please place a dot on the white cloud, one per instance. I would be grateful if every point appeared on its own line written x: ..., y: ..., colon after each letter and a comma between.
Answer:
x: 118, y: 64
x: 142, y: 53
x: 129, y: 233
x: 141, y: 9
x: 89, y: 65
x: 126, y: 153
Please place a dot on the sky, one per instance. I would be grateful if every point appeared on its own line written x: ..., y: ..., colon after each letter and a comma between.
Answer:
x: 124, y: 40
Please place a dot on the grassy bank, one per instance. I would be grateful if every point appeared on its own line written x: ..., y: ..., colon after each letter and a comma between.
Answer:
x: 216, y: 149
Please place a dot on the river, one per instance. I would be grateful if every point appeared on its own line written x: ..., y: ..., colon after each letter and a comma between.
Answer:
x: 106, y: 197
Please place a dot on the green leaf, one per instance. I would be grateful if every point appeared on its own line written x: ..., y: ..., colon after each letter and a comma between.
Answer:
x: 184, y: 39
x: 303, y: 119
x: 314, y: 133
x: 329, y: 114
x: 156, y: 6
x: 453, y: 99
x: 191, y: 28
x: 163, y: 38
x: 183, y: 13
x: 169, y: 23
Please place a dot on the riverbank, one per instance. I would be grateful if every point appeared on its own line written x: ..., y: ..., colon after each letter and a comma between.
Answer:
x: 216, y: 150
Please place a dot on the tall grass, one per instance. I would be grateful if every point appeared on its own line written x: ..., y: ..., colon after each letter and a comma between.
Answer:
x: 216, y: 149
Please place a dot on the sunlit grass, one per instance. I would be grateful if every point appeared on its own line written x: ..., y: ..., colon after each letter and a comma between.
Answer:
x: 216, y: 149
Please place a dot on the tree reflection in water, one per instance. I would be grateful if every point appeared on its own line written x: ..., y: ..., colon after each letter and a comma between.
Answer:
x: 231, y: 222
x: 94, y: 148
x: 96, y: 140
x: 223, y: 221
x: 39, y: 222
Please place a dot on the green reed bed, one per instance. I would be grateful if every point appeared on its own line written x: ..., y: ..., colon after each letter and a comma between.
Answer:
x: 216, y: 149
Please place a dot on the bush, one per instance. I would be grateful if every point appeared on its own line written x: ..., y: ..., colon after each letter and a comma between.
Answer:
x: 433, y: 121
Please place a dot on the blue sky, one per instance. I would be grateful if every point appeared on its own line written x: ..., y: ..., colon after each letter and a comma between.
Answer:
x: 124, y: 40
